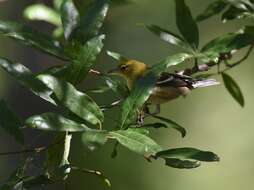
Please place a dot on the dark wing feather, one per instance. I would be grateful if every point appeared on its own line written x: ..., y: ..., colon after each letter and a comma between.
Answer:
x: 174, y: 80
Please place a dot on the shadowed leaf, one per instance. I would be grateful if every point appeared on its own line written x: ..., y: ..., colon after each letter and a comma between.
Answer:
x: 94, y: 139
x: 172, y: 124
x: 186, y: 24
x: 213, y: 9
x: 10, y: 122
x: 33, y: 38
x: 186, y: 157
x: 233, y: 88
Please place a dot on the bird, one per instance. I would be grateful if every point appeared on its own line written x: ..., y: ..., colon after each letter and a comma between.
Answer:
x: 169, y: 86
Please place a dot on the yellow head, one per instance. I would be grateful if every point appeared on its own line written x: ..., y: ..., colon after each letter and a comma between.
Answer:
x: 131, y: 70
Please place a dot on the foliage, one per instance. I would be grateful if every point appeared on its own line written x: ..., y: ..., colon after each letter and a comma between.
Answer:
x: 77, y: 40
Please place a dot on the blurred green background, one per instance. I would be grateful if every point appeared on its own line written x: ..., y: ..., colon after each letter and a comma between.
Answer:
x: 214, y: 121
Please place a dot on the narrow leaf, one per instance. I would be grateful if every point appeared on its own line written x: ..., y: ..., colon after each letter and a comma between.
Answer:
x: 10, y: 122
x: 77, y: 102
x: 70, y: 17
x: 136, y: 141
x: 233, y: 88
x: 84, y: 58
x: 91, y: 22
x: 186, y: 24
x: 43, y: 13
x: 54, y: 122
x: 26, y: 77
x: 214, y: 8
x: 172, y: 124
x: 168, y: 36
x: 186, y: 157
x: 33, y: 38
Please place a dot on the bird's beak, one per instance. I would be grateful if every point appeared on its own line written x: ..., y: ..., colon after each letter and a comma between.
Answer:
x: 113, y: 71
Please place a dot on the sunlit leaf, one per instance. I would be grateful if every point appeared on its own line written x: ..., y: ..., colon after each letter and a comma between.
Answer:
x: 186, y: 24
x: 26, y: 77
x: 43, y: 13
x: 54, y: 122
x: 143, y: 88
x: 186, y: 157
x: 136, y: 141
x: 233, y: 88
x: 33, y: 38
x: 77, y: 102
x: 214, y: 8
x: 168, y: 36
x: 70, y: 17
x: 171, y: 124
x: 10, y: 122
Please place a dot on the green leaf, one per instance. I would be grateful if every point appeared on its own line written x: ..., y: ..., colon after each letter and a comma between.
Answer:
x: 117, y: 86
x: 43, y: 13
x: 168, y: 36
x: 57, y: 164
x: 233, y: 88
x: 77, y: 102
x: 54, y: 122
x: 26, y: 77
x: 84, y: 58
x: 186, y: 157
x: 82, y: 5
x: 186, y: 24
x: 94, y: 139
x: 236, y: 13
x: 227, y: 43
x: 70, y: 17
x: 212, y: 9
x: 135, y: 141
x: 143, y: 88
x: 91, y: 22
x: 172, y: 124
x: 32, y: 38
x: 10, y: 122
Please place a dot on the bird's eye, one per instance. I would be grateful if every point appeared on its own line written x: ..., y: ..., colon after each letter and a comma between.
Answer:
x: 123, y: 67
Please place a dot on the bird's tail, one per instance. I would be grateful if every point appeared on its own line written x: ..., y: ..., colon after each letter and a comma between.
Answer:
x: 205, y: 83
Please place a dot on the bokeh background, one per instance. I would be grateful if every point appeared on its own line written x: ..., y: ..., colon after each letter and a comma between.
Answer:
x: 213, y: 119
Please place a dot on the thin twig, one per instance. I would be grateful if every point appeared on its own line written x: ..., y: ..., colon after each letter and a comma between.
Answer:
x: 113, y: 104
x: 36, y: 150
x: 92, y: 71
x: 93, y: 172
x: 241, y: 60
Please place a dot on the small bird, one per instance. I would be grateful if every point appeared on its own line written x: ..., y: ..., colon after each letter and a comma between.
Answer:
x: 168, y: 86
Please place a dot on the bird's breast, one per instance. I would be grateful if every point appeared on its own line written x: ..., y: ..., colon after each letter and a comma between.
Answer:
x: 161, y: 95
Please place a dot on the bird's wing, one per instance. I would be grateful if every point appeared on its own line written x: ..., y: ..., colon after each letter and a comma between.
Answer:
x: 174, y: 80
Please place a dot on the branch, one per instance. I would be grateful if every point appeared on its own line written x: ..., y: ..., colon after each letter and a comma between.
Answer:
x: 36, y: 150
